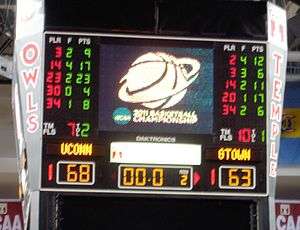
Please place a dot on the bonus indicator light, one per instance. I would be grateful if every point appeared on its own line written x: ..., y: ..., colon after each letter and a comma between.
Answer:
x: 213, y: 177
x: 50, y: 172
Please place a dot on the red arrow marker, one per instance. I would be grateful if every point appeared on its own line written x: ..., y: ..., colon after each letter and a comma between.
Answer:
x: 196, y: 178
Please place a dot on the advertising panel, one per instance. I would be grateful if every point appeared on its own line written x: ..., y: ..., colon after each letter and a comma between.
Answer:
x: 11, y: 217
x: 287, y: 215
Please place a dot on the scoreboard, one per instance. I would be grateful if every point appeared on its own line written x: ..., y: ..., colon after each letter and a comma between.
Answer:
x: 150, y: 114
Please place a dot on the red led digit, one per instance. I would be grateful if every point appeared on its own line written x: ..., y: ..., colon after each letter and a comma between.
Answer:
x: 57, y: 102
x: 244, y: 135
x: 225, y: 97
x: 232, y: 59
x: 49, y: 103
x: 53, y: 87
x: 72, y: 126
x: 49, y: 77
x: 228, y: 109
x: 55, y: 64
x: 232, y: 97
x: 57, y: 77
x: 229, y: 97
x: 230, y: 84
x: 232, y: 109
x: 49, y: 90
x: 57, y: 90
x: 53, y: 102
x: 232, y: 72
x: 53, y: 90
x: 58, y: 51
x: 225, y: 110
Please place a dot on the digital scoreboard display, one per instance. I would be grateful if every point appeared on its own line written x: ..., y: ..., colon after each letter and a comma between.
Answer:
x: 142, y: 114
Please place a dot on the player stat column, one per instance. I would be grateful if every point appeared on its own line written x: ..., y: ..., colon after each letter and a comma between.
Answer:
x: 69, y: 110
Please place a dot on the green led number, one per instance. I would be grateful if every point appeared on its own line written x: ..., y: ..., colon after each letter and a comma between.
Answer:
x: 243, y: 85
x: 87, y: 91
x: 261, y: 85
x: 86, y: 104
x: 243, y: 72
x: 263, y: 136
x: 243, y: 110
x: 245, y: 98
x: 243, y: 59
x: 85, y: 129
x: 69, y: 53
x: 87, y: 78
x: 86, y: 64
x: 81, y: 65
x: 259, y: 60
x: 260, y: 73
x: 260, y: 97
x: 68, y: 79
x: 260, y: 111
x: 69, y: 65
x: 255, y: 85
x: 79, y: 78
x: 68, y: 91
x: 70, y: 104
x: 88, y: 52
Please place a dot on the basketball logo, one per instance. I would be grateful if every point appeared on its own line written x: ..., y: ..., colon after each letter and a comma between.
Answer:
x: 158, y: 80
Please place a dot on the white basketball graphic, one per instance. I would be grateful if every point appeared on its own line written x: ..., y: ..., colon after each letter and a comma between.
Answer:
x: 158, y: 80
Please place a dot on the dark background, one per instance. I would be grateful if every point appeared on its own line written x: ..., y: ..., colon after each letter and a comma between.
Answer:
x: 108, y: 213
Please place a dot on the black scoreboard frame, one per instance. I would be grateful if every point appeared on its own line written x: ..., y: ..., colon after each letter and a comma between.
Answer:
x: 132, y: 136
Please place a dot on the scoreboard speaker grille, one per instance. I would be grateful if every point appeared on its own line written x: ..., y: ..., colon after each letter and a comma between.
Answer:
x: 92, y: 212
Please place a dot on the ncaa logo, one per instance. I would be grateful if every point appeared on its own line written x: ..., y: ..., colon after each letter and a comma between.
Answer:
x: 122, y: 116
x: 158, y: 80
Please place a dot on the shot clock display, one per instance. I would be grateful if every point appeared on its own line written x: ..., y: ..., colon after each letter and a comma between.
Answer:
x: 156, y: 115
